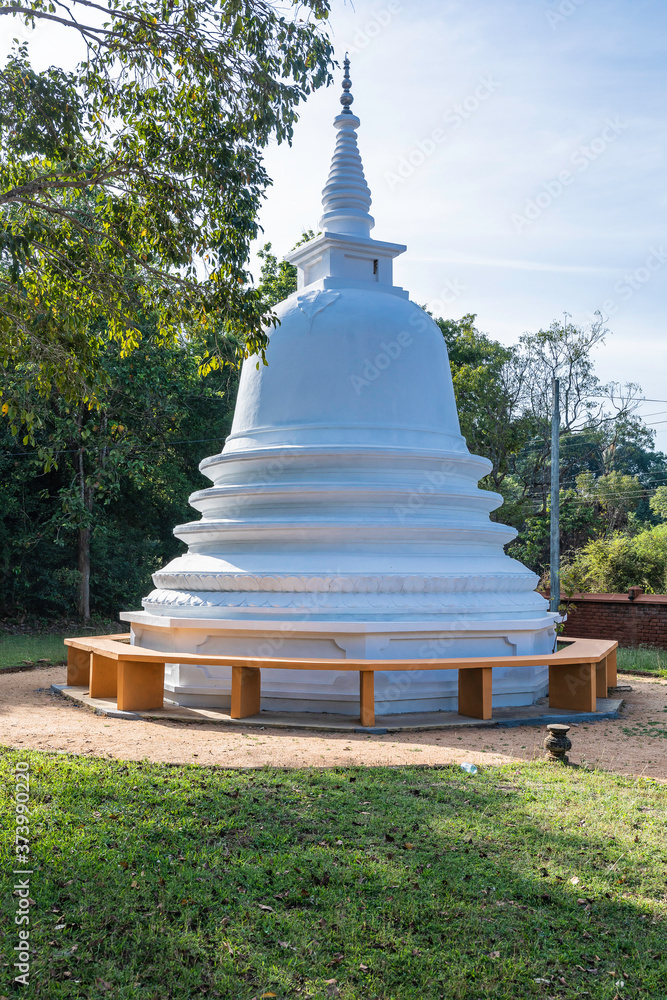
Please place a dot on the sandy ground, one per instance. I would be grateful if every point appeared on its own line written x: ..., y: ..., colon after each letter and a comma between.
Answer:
x: 30, y: 716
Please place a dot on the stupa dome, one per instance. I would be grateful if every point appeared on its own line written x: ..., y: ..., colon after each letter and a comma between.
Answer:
x: 344, y: 513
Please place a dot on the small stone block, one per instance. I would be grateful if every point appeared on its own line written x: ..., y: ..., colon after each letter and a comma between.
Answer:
x: 557, y: 743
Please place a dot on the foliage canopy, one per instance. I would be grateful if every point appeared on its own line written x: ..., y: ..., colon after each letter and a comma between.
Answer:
x: 88, y: 513
x: 131, y: 184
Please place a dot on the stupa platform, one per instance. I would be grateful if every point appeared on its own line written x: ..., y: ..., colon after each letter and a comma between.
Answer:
x: 538, y: 714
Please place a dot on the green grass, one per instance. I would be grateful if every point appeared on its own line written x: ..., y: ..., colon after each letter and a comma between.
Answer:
x: 403, y: 883
x: 646, y: 659
x: 46, y: 643
x: 15, y: 649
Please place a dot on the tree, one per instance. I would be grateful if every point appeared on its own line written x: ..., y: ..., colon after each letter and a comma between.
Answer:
x: 614, y: 495
x: 596, y: 508
x: 277, y: 278
x: 613, y: 565
x: 131, y: 185
x: 589, y: 409
x: 564, y: 352
x: 579, y: 524
x: 503, y: 397
x: 658, y: 503
x: 88, y: 513
x: 489, y: 388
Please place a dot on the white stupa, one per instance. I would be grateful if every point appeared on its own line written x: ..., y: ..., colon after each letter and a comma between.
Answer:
x: 344, y: 516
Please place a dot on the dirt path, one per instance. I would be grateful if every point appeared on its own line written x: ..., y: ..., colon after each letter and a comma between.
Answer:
x: 30, y: 716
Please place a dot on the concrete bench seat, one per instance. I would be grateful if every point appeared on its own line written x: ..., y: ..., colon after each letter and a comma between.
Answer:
x: 579, y: 673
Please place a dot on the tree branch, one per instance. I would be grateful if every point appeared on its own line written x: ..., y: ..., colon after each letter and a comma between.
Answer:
x: 85, y: 29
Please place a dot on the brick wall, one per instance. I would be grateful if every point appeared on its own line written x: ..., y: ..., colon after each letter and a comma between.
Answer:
x: 642, y: 621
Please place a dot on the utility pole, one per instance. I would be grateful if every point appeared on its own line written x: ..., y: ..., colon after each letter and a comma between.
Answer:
x: 554, y: 573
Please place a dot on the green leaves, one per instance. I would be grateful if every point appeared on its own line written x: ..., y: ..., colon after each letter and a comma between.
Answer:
x: 278, y: 279
x: 616, y: 563
x: 121, y: 470
x: 488, y: 395
x: 132, y: 183
x: 503, y: 396
x: 658, y: 503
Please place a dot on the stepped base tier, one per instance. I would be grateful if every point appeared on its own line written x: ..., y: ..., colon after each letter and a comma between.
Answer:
x: 345, y: 517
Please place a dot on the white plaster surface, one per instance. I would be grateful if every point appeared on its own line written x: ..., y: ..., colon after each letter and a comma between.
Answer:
x: 344, y: 516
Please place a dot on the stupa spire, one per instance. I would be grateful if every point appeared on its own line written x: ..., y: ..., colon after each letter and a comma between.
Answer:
x: 346, y: 98
x: 346, y: 197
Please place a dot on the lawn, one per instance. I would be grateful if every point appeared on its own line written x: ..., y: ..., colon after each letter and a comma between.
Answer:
x: 151, y: 881
x: 16, y: 650
x: 646, y: 659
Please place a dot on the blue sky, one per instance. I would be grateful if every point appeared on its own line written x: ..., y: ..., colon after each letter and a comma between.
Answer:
x: 522, y: 93
x: 518, y: 148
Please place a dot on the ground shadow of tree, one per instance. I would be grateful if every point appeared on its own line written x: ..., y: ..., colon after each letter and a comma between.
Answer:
x: 179, y: 881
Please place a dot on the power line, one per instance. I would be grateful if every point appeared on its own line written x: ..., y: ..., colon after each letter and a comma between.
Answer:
x: 75, y: 451
x: 637, y: 399
x: 640, y: 491
x: 573, y: 479
x: 635, y: 491
x: 573, y: 502
x: 645, y: 399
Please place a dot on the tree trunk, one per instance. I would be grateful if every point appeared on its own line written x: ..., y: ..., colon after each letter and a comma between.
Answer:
x: 84, y: 573
x: 83, y: 604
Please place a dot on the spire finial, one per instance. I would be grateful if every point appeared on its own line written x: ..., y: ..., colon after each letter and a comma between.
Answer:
x: 346, y: 97
x: 346, y: 197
